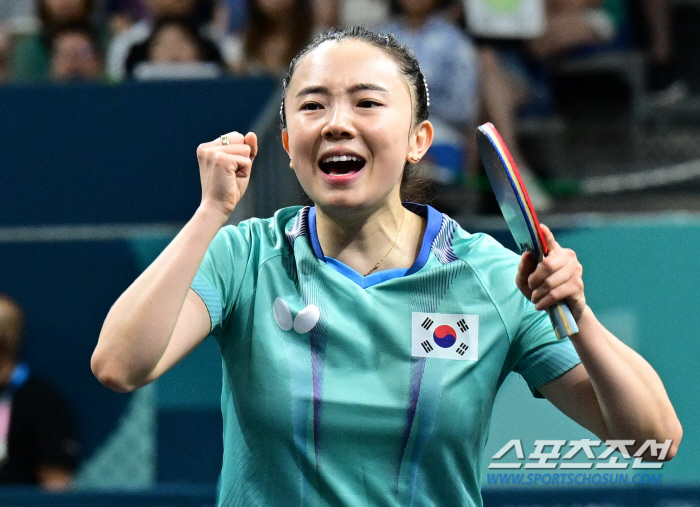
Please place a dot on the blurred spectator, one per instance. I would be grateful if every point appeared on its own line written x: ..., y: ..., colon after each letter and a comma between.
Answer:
x: 449, y: 63
x: 121, y: 14
x: 575, y: 24
x: 508, y: 88
x: 36, y: 428
x: 347, y: 13
x: 190, y: 11
x: 653, y: 33
x: 175, y: 49
x: 32, y: 54
x: 275, y: 32
x: 231, y: 16
x: 515, y: 74
x: 4, y: 56
x: 658, y: 17
x: 18, y: 16
x: 75, y: 55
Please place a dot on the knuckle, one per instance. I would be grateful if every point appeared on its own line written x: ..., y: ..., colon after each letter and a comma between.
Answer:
x: 532, y: 281
x: 548, y: 264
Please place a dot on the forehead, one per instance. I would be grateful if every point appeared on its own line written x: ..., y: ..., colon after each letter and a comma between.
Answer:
x: 73, y: 38
x: 342, y: 64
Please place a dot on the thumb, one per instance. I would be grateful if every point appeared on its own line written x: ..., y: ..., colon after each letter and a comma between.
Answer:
x: 549, y: 238
x: 251, y: 140
x: 525, y: 269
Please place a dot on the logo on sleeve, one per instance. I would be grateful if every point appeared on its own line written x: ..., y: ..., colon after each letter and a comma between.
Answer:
x: 445, y: 336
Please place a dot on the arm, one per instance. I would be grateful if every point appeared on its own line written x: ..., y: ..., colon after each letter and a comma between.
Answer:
x: 614, y: 392
x: 159, y: 319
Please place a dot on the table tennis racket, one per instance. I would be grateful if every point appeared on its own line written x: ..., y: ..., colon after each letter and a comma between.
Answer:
x: 518, y: 212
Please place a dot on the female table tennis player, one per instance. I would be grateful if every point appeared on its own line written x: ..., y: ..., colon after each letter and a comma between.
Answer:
x: 340, y: 325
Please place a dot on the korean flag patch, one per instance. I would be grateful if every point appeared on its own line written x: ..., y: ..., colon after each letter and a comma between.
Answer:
x: 445, y: 336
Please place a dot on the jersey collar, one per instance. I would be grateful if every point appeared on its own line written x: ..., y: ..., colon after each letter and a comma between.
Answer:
x: 432, y: 229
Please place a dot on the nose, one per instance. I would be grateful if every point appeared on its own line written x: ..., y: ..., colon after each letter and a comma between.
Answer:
x: 339, y: 124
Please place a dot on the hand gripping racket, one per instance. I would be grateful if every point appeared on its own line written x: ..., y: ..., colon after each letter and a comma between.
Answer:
x: 518, y: 211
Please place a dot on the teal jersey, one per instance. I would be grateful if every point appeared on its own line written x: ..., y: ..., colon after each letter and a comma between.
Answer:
x: 340, y: 389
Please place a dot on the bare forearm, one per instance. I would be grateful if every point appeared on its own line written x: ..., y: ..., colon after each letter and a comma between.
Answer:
x: 139, y: 325
x: 633, y: 401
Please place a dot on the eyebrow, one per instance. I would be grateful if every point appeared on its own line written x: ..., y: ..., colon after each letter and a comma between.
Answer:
x: 322, y: 90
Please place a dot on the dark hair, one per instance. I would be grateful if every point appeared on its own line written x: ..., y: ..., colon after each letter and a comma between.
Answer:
x: 77, y: 28
x: 49, y: 25
x: 260, y: 27
x: 412, y: 188
x: 396, y: 9
x: 206, y: 49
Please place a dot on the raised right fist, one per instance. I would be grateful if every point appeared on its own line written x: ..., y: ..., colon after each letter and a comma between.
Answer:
x: 224, y: 169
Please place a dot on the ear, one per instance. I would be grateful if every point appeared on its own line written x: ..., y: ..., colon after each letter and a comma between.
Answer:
x: 420, y: 140
x: 285, y: 140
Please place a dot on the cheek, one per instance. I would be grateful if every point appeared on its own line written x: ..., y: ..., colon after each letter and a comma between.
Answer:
x: 389, y: 138
x: 302, y: 137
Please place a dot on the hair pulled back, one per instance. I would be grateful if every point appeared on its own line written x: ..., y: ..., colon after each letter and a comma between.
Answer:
x: 411, y: 188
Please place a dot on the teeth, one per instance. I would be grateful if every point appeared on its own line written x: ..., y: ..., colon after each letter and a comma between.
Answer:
x: 342, y: 158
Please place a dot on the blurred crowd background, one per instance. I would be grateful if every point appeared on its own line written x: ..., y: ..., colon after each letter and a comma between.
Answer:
x: 578, y: 88
x: 102, y: 105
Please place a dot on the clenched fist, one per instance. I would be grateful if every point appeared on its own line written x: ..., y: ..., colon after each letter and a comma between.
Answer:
x: 224, y: 170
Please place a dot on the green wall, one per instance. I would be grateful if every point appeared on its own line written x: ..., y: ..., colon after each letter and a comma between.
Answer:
x: 642, y: 280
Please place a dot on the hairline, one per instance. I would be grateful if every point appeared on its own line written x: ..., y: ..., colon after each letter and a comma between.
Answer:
x: 385, y: 50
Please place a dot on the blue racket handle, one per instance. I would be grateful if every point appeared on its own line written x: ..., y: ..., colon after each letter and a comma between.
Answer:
x: 562, y: 320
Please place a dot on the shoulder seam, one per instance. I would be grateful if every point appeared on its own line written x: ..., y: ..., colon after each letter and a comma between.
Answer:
x: 250, y: 296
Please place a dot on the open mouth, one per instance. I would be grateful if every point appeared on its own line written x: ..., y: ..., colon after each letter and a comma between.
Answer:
x: 342, y: 164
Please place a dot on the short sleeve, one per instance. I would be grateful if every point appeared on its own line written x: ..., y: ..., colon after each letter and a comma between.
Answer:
x: 542, y: 356
x: 220, y: 275
x: 534, y: 350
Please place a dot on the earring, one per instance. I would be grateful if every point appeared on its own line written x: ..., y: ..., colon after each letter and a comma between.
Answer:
x: 291, y: 164
x: 415, y: 160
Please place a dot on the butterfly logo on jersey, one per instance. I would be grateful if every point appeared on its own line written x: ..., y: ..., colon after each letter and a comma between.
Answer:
x: 445, y: 336
x: 304, y: 322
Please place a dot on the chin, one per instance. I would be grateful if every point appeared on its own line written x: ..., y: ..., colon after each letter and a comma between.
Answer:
x: 345, y: 203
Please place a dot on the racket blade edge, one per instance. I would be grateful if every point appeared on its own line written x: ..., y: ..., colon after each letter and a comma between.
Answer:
x: 518, y: 212
x: 496, y: 159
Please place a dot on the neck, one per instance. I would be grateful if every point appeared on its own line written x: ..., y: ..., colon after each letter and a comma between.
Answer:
x: 389, y: 236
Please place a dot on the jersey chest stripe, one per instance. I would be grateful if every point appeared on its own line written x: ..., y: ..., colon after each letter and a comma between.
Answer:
x: 318, y: 350
x: 427, y: 298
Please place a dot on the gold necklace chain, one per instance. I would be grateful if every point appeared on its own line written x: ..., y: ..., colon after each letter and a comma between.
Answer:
x: 403, y: 215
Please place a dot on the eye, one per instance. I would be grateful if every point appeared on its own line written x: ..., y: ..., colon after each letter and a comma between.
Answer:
x: 369, y: 103
x: 311, y: 106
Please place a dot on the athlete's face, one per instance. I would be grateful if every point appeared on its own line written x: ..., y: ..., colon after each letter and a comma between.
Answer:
x: 350, y: 126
